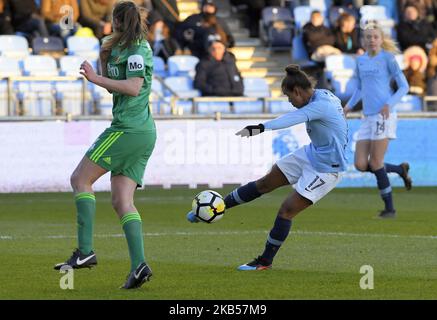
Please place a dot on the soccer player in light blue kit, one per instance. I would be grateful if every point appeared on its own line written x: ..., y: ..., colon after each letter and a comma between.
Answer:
x: 374, y: 72
x: 315, y: 169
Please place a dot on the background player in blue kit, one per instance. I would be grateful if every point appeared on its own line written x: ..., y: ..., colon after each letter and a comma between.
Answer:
x: 315, y: 168
x: 374, y: 72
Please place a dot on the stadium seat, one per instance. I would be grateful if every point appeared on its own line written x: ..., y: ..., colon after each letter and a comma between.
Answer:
x: 390, y: 9
x: 9, y: 67
x: 280, y: 107
x: 14, y: 46
x: 321, y: 5
x: 343, y: 86
x: 158, y: 102
x: 213, y: 107
x: 335, y: 12
x: 182, y: 65
x: 70, y: 65
x: 253, y: 87
x: 409, y: 103
x: 339, y: 64
x: 302, y: 15
x: 276, y: 27
x: 159, y: 67
x: 183, y: 87
x: 40, y: 66
x: 53, y: 46
x: 87, y: 47
x: 102, y: 99
x: 380, y: 15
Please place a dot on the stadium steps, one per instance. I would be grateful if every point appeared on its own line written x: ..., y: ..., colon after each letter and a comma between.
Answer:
x: 187, y: 8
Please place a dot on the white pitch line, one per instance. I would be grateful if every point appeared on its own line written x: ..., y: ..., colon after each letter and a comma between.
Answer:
x: 225, y: 233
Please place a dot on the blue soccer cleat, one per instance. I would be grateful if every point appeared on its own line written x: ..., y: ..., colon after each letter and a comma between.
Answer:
x: 191, y: 217
x: 257, y: 264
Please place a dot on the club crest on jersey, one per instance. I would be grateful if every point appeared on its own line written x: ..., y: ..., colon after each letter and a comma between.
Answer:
x: 135, y: 63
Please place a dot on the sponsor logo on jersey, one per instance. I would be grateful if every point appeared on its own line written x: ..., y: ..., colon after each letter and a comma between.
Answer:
x: 135, y: 63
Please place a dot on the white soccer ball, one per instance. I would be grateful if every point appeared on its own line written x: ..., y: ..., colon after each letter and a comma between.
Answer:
x: 208, y: 206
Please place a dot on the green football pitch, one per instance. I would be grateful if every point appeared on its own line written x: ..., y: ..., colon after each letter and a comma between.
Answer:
x: 321, y: 258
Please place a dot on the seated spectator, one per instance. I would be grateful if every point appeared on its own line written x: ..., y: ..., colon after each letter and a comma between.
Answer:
x: 425, y: 8
x: 195, y: 31
x: 413, y: 30
x: 5, y: 18
x: 168, y: 10
x: 415, y: 75
x: 217, y: 74
x: 25, y: 18
x: 318, y: 39
x: 96, y: 14
x: 159, y: 38
x: 51, y: 12
x: 346, y: 35
x: 254, y: 9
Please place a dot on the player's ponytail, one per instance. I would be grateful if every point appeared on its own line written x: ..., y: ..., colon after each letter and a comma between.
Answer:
x: 129, y: 25
x: 296, y: 78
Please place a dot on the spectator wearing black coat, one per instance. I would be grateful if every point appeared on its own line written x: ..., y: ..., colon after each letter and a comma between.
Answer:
x: 194, y: 33
x: 413, y: 31
x: 25, y: 17
x: 346, y: 35
x: 5, y: 18
x: 218, y: 75
x: 316, y: 35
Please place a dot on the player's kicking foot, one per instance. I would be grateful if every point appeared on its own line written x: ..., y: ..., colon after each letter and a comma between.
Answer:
x: 384, y: 214
x: 257, y: 264
x: 192, y: 217
x: 408, y: 182
x: 136, y: 278
x: 79, y: 260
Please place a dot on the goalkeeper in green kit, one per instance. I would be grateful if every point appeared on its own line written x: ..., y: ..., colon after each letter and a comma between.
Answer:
x: 125, y: 147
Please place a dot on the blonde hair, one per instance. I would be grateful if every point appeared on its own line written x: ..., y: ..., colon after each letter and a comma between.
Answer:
x: 388, y: 44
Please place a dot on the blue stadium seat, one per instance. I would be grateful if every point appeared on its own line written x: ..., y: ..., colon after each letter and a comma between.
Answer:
x: 183, y: 86
x: 48, y: 45
x: 14, y: 46
x: 409, y: 103
x: 87, y: 47
x: 274, y: 35
x: 213, y: 107
x: 70, y: 65
x: 182, y: 65
x: 391, y: 9
x: 40, y: 66
x: 302, y: 15
x: 159, y: 103
x: 379, y: 14
x: 343, y: 86
x: 159, y: 67
x: 280, y: 107
x: 253, y: 87
x: 321, y: 5
x: 9, y: 67
x: 339, y: 64
x: 103, y: 100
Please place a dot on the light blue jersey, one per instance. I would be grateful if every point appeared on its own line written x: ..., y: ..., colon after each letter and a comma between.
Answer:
x: 373, y: 75
x: 327, y: 128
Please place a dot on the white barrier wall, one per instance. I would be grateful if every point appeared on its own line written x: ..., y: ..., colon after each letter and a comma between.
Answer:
x: 40, y: 156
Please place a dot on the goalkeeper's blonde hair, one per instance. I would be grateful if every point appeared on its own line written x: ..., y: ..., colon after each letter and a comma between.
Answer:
x: 388, y: 44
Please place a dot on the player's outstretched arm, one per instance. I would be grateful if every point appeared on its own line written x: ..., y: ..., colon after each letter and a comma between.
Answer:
x: 130, y: 86
x: 251, y: 130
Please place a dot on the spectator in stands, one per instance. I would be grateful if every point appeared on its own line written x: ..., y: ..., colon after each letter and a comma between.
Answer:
x: 217, y: 74
x: 426, y: 8
x: 318, y: 39
x: 5, y: 18
x: 168, y: 10
x: 96, y: 14
x: 415, y: 75
x: 162, y: 43
x: 431, y: 73
x: 254, y: 10
x: 346, y: 35
x: 413, y: 30
x: 51, y: 12
x: 196, y: 30
x: 26, y: 18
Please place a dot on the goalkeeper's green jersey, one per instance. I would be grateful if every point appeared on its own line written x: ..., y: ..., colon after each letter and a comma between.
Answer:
x: 132, y: 114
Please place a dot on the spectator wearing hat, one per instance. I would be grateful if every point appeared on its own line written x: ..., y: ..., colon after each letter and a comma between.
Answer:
x: 159, y: 38
x: 413, y: 30
x: 217, y: 74
x: 5, y: 18
x: 194, y: 33
x: 416, y: 61
x: 96, y: 14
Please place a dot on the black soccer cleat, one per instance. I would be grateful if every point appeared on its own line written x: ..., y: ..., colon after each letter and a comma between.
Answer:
x: 257, y: 264
x: 79, y: 261
x: 408, y: 182
x: 136, y: 278
x: 384, y: 214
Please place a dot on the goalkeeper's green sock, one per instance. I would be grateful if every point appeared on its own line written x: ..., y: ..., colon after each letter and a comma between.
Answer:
x: 86, y: 211
x: 133, y: 230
